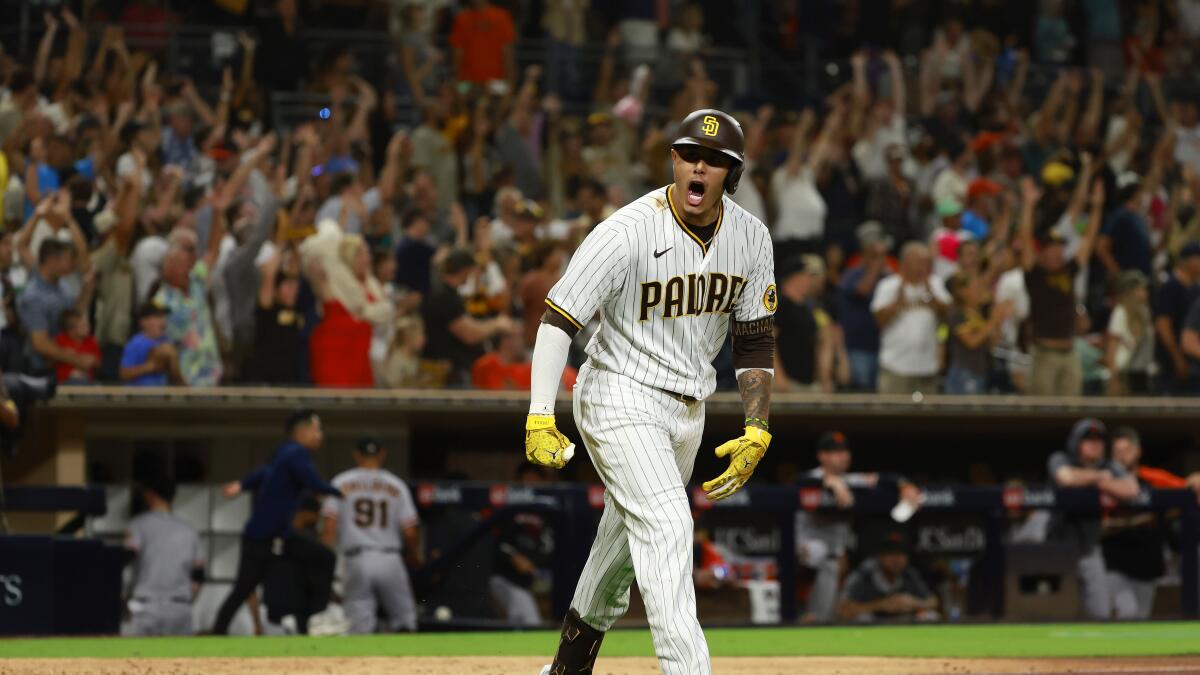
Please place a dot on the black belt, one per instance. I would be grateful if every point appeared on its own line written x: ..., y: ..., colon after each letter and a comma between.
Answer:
x: 679, y: 397
x: 351, y: 552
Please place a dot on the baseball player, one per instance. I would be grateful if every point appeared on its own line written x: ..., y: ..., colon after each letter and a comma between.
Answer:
x: 1084, y: 464
x: 168, y: 566
x: 665, y: 274
x: 822, y: 539
x: 523, y: 545
x: 367, y: 524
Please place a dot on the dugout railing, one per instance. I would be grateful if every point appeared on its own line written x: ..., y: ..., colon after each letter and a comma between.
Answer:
x: 573, y: 511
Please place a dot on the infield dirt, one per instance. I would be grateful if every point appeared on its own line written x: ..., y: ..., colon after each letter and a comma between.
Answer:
x: 478, y: 665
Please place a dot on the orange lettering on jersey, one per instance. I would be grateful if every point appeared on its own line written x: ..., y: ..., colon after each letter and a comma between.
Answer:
x: 673, y: 304
x: 735, y: 289
x: 651, y: 296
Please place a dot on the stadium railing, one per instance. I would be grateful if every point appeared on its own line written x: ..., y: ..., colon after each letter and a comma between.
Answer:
x: 575, y: 506
x: 85, y: 501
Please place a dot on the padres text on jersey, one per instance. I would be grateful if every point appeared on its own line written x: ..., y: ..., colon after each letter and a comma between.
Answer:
x: 665, y: 297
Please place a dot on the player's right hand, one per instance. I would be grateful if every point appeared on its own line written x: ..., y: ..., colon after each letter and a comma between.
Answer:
x: 544, y: 443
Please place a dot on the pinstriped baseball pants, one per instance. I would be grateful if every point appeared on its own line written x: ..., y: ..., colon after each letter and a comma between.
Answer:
x: 643, y: 444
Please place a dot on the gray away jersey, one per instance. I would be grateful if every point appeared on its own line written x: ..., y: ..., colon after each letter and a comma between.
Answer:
x: 377, y: 507
x: 664, y: 297
x: 168, y: 549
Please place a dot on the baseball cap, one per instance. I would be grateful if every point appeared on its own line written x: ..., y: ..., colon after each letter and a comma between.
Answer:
x: 529, y: 209
x: 789, y: 267
x: 1126, y: 179
x: 1091, y: 428
x: 982, y: 187
x: 832, y: 441
x: 1055, y: 174
x: 1050, y: 238
x: 598, y: 118
x: 871, y: 232
x: 812, y: 264
x: 985, y: 140
x: 894, y: 542
x: 152, y: 308
x: 949, y: 207
x: 220, y: 151
x: 368, y: 445
x: 1189, y: 250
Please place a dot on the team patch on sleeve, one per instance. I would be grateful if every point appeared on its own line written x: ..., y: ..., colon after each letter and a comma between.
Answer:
x: 770, y: 299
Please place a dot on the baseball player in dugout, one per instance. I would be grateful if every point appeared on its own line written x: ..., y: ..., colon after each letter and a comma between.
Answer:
x: 168, y: 566
x: 664, y: 275
x: 371, y: 526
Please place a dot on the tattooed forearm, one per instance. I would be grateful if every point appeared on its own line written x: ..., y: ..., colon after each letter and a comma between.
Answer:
x: 755, y: 385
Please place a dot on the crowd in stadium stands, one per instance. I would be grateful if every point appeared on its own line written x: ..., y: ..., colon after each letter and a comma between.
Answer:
x: 992, y: 197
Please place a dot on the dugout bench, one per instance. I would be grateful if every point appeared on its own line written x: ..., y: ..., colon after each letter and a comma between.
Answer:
x: 573, y: 511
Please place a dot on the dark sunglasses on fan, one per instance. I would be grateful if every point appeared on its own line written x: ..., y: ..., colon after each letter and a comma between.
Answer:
x: 694, y: 153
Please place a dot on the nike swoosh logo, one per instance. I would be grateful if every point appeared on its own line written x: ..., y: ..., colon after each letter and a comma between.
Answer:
x: 659, y: 254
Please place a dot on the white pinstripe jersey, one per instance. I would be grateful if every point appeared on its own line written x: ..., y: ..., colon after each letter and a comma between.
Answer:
x: 665, y: 297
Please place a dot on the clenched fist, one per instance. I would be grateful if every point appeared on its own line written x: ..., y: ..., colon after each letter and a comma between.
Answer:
x: 544, y: 443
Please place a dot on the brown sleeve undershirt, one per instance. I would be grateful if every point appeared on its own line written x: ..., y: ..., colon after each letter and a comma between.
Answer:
x: 559, y: 321
x: 754, y: 344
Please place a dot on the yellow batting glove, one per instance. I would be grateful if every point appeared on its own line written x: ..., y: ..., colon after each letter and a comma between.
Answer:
x: 544, y: 443
x: 744, y: 454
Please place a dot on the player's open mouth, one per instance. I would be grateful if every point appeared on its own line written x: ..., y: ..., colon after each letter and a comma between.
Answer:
x: 695, y: 193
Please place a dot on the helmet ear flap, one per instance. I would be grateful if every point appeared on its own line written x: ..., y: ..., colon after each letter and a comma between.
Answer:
x: 732, y: 178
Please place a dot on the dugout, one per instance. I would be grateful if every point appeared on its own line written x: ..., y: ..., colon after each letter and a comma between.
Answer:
x: 206, y: 436
x: 95, y: 433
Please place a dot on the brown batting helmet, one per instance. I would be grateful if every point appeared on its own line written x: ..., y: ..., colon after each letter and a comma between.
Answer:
x: 718, y: 131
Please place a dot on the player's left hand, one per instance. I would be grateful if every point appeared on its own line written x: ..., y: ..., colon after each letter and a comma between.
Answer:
x: 544, y: 443
x: 744, y: 454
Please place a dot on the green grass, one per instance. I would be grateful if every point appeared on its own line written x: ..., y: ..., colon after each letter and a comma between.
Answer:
x: 1042, y: 640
